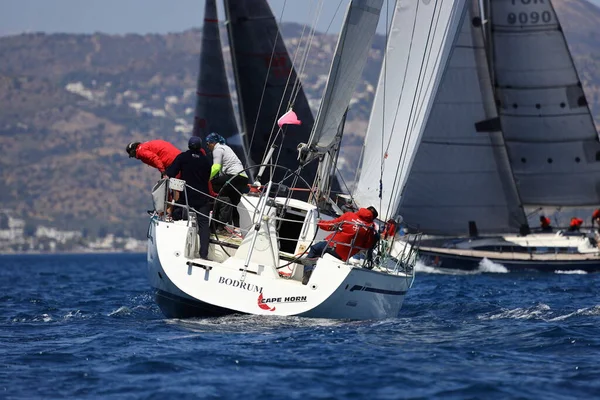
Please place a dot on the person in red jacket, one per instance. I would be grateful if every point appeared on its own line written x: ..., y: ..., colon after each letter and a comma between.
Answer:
x: 545, y: 224
x: 159, y: 154
x: 575, y: 224
x: 596, y: 218
x: 353, y: 232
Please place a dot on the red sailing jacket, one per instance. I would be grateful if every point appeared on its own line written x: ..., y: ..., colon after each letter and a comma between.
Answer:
x: 575, y: 223
x: 157, y: 153
x: 346, y: 227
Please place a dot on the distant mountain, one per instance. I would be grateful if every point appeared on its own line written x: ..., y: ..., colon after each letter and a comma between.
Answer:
x: 70, y: 103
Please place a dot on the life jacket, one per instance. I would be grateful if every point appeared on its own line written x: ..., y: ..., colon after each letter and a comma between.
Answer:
x: 349, y: 227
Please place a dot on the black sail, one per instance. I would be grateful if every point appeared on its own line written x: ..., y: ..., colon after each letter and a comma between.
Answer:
x: 265, y: 80
x: 214, y: 109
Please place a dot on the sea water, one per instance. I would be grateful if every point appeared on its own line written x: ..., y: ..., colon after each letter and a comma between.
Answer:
x: 86, y: 326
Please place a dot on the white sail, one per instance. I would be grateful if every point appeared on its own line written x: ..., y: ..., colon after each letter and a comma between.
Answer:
x: 551, y: 139
x: 349, y: 60
x: 461, y: 172
x: 418, y: 51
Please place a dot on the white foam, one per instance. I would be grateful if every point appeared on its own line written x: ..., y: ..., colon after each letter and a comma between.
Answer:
x: 582, y: 311
x: 486, y: 265
x: 536, y: 312
x: 120, y: 311
x: 572, y: 272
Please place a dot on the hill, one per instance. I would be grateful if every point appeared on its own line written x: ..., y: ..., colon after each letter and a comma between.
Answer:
x: 70, y: 103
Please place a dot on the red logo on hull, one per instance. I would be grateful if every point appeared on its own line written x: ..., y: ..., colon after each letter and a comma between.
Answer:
x: 263, y: 305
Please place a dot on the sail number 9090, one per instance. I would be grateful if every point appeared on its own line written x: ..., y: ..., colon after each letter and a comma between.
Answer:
x: 533, y: 17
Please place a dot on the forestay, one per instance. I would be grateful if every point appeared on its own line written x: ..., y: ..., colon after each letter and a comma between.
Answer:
x: 420, y: 41
x: 349, y: 60
x: 551, y: 138
x: 461, y: 171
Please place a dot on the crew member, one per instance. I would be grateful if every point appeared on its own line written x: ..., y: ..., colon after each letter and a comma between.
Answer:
x: 227, y: 177
x: 575, y: 224
x: 545, y: 224
x: 156, y: 153
x: 194, y: 168
x: 353, y: 232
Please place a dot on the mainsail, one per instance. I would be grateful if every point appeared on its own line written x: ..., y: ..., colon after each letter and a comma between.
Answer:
x: 419, y: 45
x: 214, y: 109
x: 265, y: 79
x: 461, y: 172
x: 548, y: 128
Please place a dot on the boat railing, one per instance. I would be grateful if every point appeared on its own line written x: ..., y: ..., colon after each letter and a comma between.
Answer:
x: 396, y: 254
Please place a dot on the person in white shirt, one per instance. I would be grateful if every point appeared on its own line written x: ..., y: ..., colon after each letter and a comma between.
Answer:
x: 227, y: 176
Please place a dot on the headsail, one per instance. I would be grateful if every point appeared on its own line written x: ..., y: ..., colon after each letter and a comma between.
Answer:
x: 214, y: 109
x: 265, y: 78
x: 548, y: 128
x: 418, y: 51
x: 349, y: 60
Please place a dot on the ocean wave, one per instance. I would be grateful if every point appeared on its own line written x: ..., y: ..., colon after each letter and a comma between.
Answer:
x: 535, y: 312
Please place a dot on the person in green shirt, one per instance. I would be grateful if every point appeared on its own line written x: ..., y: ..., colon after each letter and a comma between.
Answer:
x: 227, y: 176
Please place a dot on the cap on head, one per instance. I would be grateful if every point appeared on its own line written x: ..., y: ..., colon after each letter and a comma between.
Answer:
x: 374, y: 211
x: 131, y: 148
x: 215, y: 138
x: 195, y: 143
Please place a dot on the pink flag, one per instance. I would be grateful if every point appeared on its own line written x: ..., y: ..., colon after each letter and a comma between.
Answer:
x: 289, y: 118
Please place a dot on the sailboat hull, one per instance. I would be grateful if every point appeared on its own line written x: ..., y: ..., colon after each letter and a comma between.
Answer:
x: 539, y: 252
x: 186, y: 288
x: 464, y: 262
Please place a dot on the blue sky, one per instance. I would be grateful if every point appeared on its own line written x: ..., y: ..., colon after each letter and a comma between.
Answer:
x: 135, y: 16
x: 143, y: 16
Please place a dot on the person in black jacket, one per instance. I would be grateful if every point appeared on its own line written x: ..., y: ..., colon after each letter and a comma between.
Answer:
x: 195, y: 171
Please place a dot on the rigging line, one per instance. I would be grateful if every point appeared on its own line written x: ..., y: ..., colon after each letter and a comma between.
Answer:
x: 384, y: 67
x: 403, y: 82
x: 274, y: 130
x: 395, y: 117
x: 421, y: 77
x: 326, y: 32
x: 298, y: 83
x: 265, y: 83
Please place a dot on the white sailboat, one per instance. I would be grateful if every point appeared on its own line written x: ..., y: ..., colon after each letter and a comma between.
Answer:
x: 260, y: 269
x: 509, y: 130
